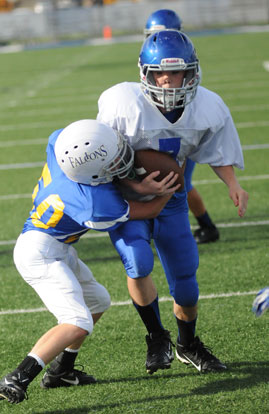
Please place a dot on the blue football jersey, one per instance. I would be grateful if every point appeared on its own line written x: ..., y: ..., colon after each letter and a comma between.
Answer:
x: 65, y: 209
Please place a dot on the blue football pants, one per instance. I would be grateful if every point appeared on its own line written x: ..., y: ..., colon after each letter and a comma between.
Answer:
x: 175, y: 246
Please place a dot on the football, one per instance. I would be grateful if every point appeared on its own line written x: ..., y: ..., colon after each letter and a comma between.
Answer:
x: 147, y: 161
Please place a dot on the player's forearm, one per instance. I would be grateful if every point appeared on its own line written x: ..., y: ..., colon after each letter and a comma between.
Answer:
x: 227, y: 175
x: 148, y: 209
x: 237, y: 194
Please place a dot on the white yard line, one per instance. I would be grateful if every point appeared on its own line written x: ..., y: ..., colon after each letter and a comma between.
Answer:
x: 37, y: 125
x: 91, y: 103
x: 14, y: 196
x: 23, y: 166
x: 6, y: 197
x: 129, y: 302
x: 96, y: 234
x: 44, y: 141
x: 240, y: 125
x: 23, y: 143
x: 243, y: 178
x: 255, y: 147
x: 244, y: 224
x: 246, y: 108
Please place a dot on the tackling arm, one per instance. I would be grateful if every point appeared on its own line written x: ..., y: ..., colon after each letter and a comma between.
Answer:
x: 142, y: 210
x: 236, y: 192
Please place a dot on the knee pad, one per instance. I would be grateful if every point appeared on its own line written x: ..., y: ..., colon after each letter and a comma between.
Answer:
x: 104, y: 299
x: 185, y: 290
x: 97, y: 298
x: 138, y: 259
x: 95, y: 295
x: 81, y: 321
x: 132, y: 242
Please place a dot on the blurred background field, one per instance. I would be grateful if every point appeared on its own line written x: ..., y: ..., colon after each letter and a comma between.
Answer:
x: 29, y: 22
x: 43, y: 90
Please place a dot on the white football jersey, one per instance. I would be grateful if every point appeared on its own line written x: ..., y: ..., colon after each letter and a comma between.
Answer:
x: 205, y: 133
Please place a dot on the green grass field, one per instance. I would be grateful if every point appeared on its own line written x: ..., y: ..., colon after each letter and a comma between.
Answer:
x: 44, y: 90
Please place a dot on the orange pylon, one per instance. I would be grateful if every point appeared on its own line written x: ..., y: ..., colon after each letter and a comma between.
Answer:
x: 107, y: 32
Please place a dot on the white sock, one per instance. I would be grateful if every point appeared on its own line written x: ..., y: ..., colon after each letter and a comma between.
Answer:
x: 39, y: 360
x: 74, y: 351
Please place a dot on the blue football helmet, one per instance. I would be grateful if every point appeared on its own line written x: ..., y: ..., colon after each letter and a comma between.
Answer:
x: 169, y: 50
x: 162, y: 19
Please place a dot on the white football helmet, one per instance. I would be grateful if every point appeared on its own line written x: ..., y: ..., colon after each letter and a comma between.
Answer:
x: 90, y: 152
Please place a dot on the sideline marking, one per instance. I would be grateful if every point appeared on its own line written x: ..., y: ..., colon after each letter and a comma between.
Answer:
x: 129, y: 302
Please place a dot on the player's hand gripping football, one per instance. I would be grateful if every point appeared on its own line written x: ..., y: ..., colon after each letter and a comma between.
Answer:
x: 149, y: 185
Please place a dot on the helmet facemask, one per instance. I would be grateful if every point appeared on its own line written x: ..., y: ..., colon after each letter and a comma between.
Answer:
x: 170, y: 98
x: 169, y: 51
x: 122, y: 163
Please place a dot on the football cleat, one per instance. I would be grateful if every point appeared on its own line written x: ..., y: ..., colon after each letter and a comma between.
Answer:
x: 206, y: 235
x: 13, y: 387
x: 159, y: 354
x: 199, y: 356
x: 66, y: 379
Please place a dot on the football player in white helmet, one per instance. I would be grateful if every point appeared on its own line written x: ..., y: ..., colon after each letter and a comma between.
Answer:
x: 91, y: 153
x: 169, y: 111
x: 75, y: 193
x: 207, y: 232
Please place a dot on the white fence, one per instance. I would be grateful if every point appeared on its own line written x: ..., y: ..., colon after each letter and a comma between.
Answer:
x: 127, y: 17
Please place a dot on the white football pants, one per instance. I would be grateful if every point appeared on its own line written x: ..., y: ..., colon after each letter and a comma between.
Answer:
x: 64, y: 283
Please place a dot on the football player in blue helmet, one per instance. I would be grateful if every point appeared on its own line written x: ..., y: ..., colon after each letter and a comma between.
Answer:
x: 207, y: 231
x: 162, y: 19
x: 176, y: 57
x: 169, y: 111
